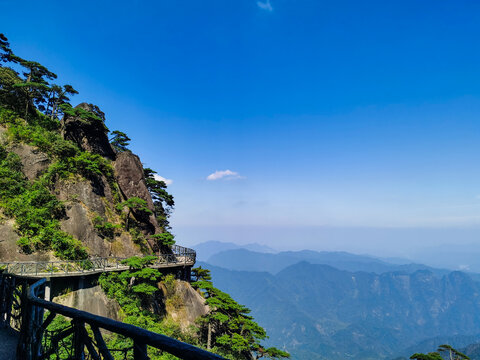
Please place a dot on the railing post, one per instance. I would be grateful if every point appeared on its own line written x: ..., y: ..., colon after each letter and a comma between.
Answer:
x: 140, y: 351
x: 78, y: 342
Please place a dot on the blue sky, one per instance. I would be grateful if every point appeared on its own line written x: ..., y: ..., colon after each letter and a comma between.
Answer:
x: 337, y: 114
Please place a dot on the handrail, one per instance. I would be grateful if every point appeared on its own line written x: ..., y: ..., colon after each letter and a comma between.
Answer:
x: 162, y: 342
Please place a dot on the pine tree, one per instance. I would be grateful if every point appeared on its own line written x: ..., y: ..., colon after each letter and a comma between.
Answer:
x: 133, y: 204
x: 227, y: 328
x: 57, y: 97
x: 452, y: 354
x: 35, y: 85
x: 163, y: 206
x: 119, y: 141
x: 5, y: 50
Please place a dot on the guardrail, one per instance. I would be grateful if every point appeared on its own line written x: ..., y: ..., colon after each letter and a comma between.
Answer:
x: 83, y: 337
x: 179, y: 256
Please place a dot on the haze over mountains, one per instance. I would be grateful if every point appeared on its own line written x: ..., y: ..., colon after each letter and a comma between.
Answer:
x: 336, y: 305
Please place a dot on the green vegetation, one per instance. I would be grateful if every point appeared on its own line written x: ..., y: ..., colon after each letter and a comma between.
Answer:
x: 163, y: 204
x: 35, y: 210
x: 137, y: 293
x: 133, y: 205
x: 119, y: 141
x: 443, y: 351
x: 165, y: 239
x: 104, y: 228
x: 228, y: 329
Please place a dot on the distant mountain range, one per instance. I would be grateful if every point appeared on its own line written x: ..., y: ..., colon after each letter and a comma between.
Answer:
x: 246, y: 260
x: 206, y: 249
x: 339, y: 305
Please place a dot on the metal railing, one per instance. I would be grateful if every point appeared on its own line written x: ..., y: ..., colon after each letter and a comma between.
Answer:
x: 180, y: 256
x: 83, y: 338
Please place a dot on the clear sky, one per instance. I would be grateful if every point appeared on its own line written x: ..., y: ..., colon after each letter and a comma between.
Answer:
x: 325, y: 113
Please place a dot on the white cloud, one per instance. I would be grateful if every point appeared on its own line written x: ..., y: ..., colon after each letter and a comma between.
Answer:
x: 226, y: 174
x: 161, y: 178
x: 265, y: 5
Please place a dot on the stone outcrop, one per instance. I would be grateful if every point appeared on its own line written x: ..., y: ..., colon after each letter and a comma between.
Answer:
x: 33, y: 160
x: 188, y: 305
x: 83, y: 200
x: 92, y: 300
x: 94, y: 196
x: 89, y: 135
x: 10, y: 251
x: 78, y: 224
x: 131, y: 180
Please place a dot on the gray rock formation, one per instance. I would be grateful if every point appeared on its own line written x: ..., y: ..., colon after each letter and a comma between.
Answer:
x: 10, y: 251
x: 83, y: 200
x: 78, y: 224
x: 89, y: 135
x: 130, y: 178
x: 191, y: 305
x: 92, y: 300
x: 33, y: 160
x: 94, y: 198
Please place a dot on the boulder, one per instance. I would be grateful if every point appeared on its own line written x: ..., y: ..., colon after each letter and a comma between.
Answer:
x: 186, y: 304
x: 90, y: 134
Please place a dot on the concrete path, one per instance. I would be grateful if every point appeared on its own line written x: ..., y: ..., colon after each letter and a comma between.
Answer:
x: 8, y: 344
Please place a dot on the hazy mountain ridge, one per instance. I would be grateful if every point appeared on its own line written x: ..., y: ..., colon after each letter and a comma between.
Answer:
x: 246, y: 260
x: 206, y: 249
x: 318, y: 311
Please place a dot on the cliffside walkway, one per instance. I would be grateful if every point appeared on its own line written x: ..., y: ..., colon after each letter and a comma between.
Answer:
x: 25, y: 315
x: 180, y: 256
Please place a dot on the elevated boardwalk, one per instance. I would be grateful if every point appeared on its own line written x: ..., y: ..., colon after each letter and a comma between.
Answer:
x: 26, y: 312
x: 180, y: 257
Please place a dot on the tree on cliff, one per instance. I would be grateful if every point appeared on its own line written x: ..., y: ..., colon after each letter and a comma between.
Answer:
x: 35, y: 85
x: 5, y: 50
x: 119, y: 141
x: 133, y: 204
x: 162, y: 201
x: 227, y: 328
x: 58, y: 96
x: 165, y: 238
x: 450, y: 352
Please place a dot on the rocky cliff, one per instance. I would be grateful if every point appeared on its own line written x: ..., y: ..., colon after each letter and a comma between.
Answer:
x: 90, y: 202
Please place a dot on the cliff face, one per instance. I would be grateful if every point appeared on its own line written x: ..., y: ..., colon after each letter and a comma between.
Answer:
x: 89, y: 203
x: 130, y: 178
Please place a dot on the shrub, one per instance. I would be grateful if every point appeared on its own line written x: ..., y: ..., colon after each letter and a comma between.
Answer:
x: 104, y: 228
